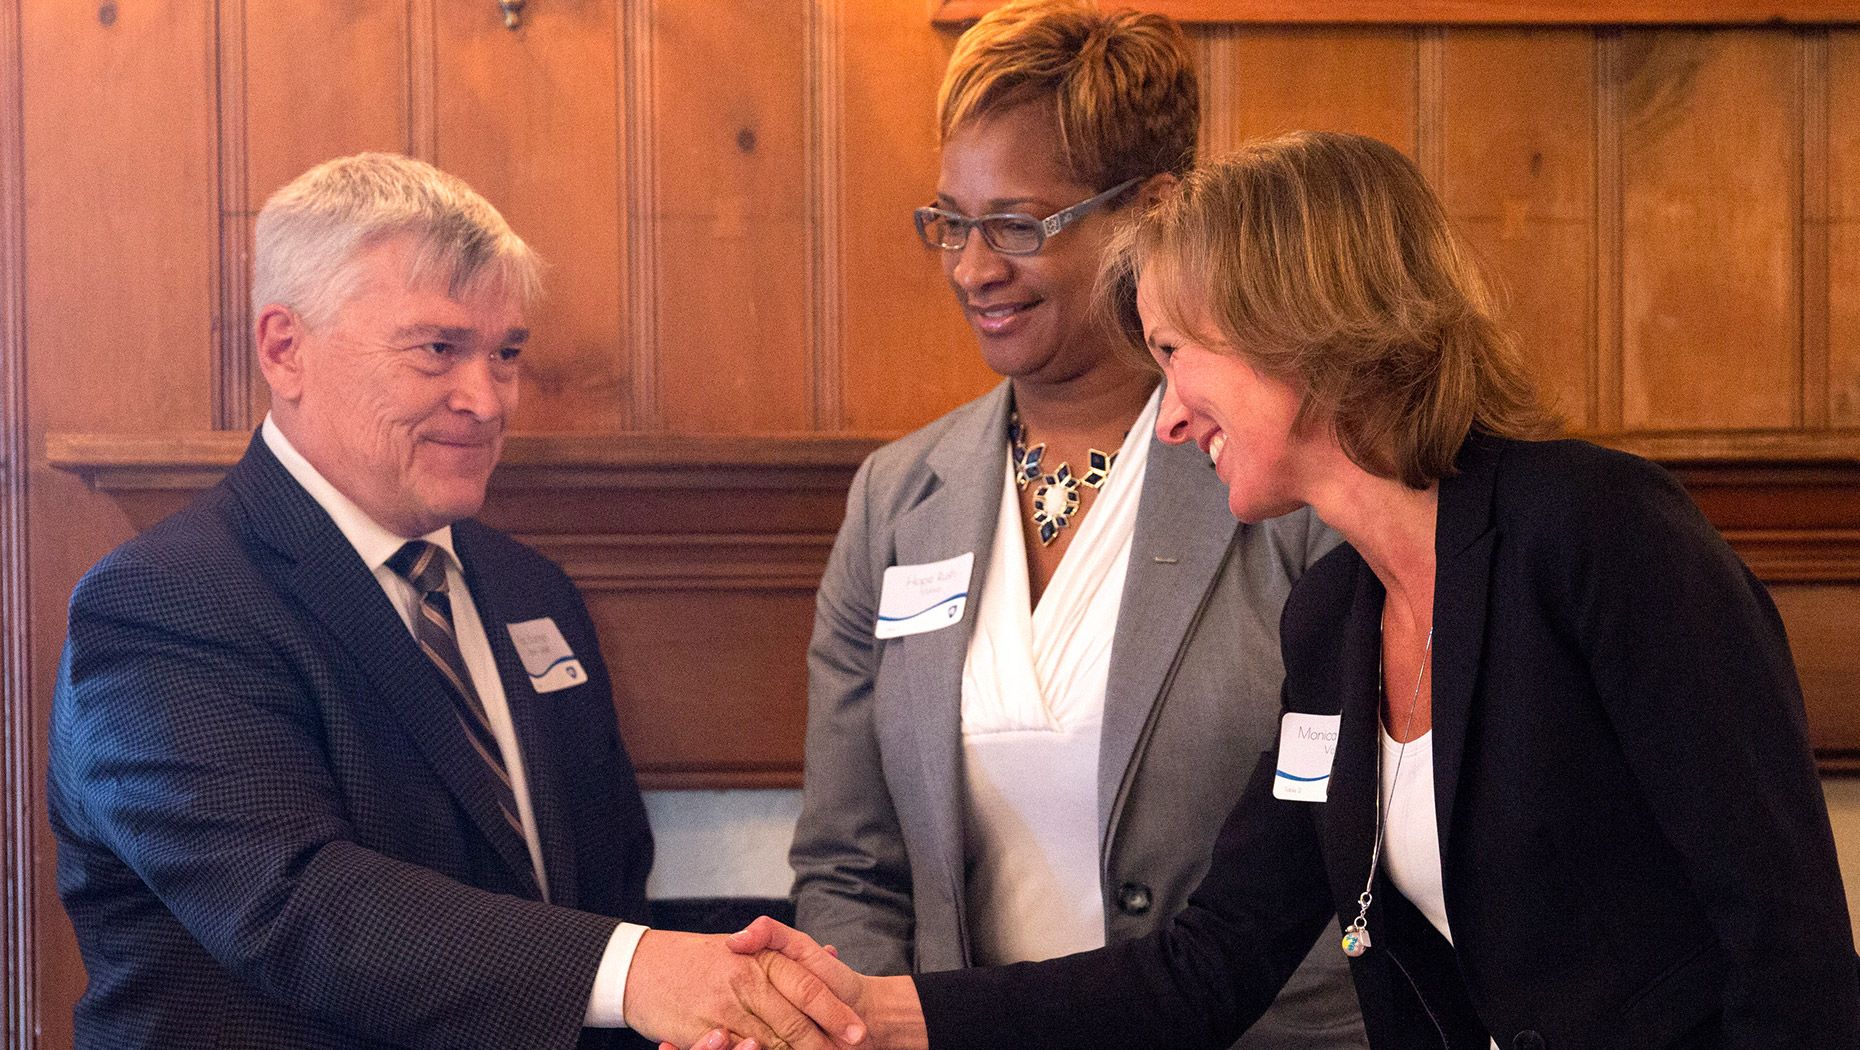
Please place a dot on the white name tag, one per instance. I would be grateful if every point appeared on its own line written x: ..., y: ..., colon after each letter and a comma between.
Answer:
x: 919, y: 598
x: 1307, y: 744
x: 545, y: 655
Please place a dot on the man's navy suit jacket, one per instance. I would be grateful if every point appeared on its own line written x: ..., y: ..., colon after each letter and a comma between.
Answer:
x: 273, y: 833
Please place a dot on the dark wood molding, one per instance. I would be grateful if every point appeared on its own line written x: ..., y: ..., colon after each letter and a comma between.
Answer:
x: 1465, y: 12
x: 19, y: 784
x: 638, y: 520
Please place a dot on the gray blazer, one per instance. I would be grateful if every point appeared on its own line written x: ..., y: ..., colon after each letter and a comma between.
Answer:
x: 1192, y: 700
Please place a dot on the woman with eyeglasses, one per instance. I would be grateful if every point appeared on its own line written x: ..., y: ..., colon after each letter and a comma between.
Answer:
x: 1045, y: 654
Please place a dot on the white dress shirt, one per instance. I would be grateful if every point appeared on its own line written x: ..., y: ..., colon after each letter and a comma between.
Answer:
x: 376, y: 544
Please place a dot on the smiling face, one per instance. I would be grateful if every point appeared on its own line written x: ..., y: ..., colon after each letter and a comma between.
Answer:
x: 1031, y: 313
x: 400, y: 400
x: 1247, y: 422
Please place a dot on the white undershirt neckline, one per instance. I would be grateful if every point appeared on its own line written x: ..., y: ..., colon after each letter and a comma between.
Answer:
x: 1033, y: 689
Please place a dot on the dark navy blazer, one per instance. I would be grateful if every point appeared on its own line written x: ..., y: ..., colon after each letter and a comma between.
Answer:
x: 271, y: 830
x: 1635, y: 849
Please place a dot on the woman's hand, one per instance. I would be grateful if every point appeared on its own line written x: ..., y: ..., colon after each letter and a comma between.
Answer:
x: 889, y: 1006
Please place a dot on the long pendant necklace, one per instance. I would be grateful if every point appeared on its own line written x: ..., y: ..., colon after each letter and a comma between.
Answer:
x: 1356, y: 935
x: 1056, y: 496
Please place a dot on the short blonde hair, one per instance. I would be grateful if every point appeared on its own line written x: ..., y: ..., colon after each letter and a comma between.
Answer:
x: 1122, y: 85
x: 311, y: 231
x: 1325, y: 260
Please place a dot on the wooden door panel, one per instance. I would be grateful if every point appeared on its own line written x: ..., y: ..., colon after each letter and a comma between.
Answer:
x: 1711, y: 302
x: 1518, y: 177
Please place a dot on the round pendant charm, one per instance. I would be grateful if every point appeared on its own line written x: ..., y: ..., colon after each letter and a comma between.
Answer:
x: 1355, y: 941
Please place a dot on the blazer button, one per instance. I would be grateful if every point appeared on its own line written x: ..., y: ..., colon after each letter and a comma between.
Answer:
x: 1527, y: 1040
x: 1133, y: 898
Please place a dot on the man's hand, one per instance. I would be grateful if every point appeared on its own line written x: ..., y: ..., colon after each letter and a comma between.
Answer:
x: 684, y: 985
x: 889, y: 1005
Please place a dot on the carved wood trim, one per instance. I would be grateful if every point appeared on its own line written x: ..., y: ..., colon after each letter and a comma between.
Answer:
x: 825, y: 135
x: 196, y: 459
x: 18, y: 784
x: 1467, y: 12
x: 610, y: 563
x: 232, y: 358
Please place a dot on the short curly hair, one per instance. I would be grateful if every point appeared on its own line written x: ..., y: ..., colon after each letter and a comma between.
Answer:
x: 1122, y: 85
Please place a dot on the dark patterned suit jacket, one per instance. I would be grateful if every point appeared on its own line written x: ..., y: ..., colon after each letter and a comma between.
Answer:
x: 272, y: 832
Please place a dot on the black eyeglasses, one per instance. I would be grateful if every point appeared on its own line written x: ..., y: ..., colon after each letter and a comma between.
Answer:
x: 1010, y: 233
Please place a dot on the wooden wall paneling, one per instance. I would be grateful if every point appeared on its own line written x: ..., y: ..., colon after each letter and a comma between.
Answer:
x: 909, y: 354
x: 1843, y: 236
x: 531, y: 119
x: 122, y: 230
x: 1518, y: 138
x: 344, y: 90
x: 1328, y: 79
x: 19, y: 1006
x: 1710, y: 155
x: 733, y: 354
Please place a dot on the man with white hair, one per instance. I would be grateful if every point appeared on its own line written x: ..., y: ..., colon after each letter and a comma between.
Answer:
x: 335, y: 766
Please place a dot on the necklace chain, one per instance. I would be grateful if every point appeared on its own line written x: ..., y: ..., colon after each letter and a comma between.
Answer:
x: 1356, y: 935
x: 1056, y: 495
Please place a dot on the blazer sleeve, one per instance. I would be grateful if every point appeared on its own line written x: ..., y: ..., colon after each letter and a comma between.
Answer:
x: 852, y: 885
x: 1693, y: 668
x: 1198, y: 982
x: 187, y: 747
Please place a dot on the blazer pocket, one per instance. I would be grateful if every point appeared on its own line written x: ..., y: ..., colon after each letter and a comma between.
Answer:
x: 1678, y: 1007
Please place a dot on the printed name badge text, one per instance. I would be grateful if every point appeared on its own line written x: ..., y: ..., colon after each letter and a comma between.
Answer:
x: 1307, y: 745
x: 545, y: 655
x: 920, y: 598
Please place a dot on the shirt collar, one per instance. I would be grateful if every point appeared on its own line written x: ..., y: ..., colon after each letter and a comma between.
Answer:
x: 376, y: 543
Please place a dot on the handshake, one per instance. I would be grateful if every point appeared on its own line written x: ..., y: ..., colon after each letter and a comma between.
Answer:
x: 775, y: 990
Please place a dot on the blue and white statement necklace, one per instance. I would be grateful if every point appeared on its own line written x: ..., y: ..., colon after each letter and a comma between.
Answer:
x: 1056, y: 495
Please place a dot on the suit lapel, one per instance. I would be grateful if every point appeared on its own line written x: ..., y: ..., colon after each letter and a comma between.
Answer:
x: 1183, y: 533
x: 1350, y: 810
x: 501, y: 601
x: 332, y: 582
x: 1464, y: 542
x: 958, y: 516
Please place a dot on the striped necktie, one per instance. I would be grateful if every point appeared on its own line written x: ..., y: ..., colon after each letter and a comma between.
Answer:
x: 424, y: 565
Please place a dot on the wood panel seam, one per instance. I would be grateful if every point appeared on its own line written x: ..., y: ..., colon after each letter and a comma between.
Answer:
x: 422, y: 80
x: 1430, y: 110
x: 232, y: 358
x: 1812, y: 229
x: 1215, y: 49
x: 1606, y: 384
x: 642, y: 222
